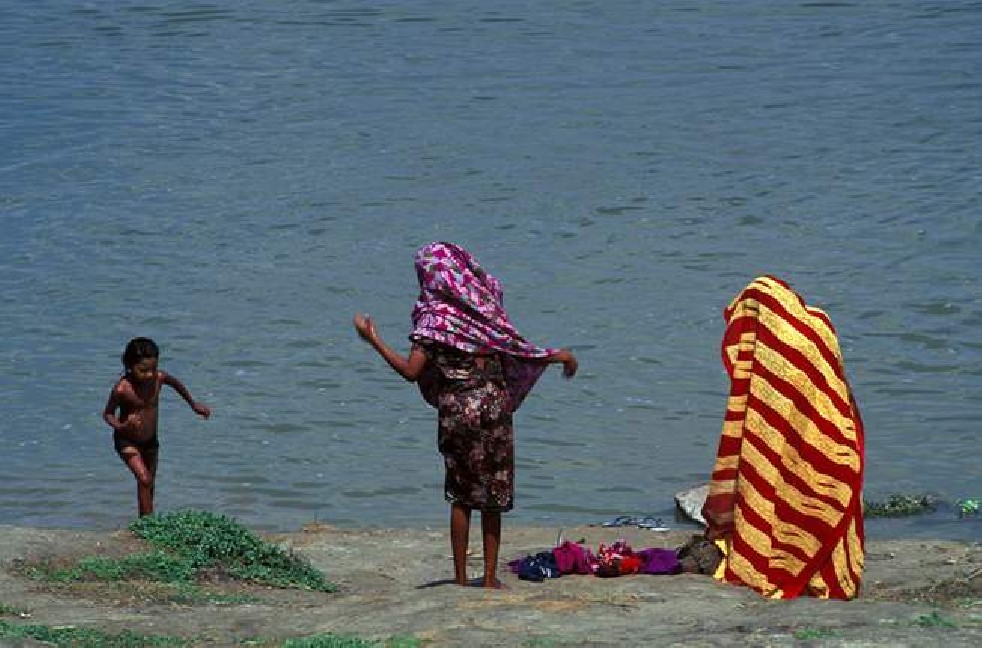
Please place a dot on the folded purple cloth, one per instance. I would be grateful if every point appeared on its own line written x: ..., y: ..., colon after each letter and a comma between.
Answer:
x: 659, y: 561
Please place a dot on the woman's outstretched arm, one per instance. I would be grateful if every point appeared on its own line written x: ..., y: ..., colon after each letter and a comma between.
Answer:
x: 408, y: 367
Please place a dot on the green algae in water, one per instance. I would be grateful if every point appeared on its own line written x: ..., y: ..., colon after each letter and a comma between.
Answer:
x: 898, y: 505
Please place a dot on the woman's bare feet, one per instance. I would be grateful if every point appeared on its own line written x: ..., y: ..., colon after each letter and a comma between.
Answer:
x: 479, y: 582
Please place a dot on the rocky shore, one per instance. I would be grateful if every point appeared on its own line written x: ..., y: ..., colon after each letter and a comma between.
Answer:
x: 393, y: 583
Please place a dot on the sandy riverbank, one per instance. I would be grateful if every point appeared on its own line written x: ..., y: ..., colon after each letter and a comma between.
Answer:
x: 393, y: 583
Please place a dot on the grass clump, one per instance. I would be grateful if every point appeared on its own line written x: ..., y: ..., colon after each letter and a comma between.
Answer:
x: 194, y: 596
x: 134, y: 581
x: 201, y: 540
x: 154, y: 566
x: 85, y: 637
x: 10, y: 610
x: 810, y: 634
x: 187, y: 546
x: 540, y: 642
x: 900, y: 506
x: 934, y: 620
x: 331, y: 640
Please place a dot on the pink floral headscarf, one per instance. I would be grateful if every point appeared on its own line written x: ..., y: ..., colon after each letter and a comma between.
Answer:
x: 461, y: 305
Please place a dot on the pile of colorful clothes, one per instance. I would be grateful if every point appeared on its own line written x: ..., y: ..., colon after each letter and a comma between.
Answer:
x: 618, y: 559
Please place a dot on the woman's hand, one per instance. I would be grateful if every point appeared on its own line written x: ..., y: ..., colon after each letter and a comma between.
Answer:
x: 201, y: 409
x: 407, y: 367
x: 570, y: 365
x: 365, y: 327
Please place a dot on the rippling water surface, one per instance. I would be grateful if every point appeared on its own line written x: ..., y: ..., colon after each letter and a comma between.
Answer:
x: 235, y: 179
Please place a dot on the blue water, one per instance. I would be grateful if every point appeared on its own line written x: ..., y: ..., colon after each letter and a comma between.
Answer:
x: 236, y: 179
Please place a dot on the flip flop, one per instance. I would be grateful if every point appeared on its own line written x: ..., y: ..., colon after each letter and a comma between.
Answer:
x: 652, y: 524
x: 620, y: 521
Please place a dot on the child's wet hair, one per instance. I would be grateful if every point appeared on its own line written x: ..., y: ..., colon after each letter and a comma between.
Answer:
x: 138, y: 349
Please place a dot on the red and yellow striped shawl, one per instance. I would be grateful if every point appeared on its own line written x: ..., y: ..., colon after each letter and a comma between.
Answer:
x: 785, y: 493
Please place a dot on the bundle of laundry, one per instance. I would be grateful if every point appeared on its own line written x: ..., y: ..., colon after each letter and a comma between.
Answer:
x: 536, y: 568
x: 618, y: 559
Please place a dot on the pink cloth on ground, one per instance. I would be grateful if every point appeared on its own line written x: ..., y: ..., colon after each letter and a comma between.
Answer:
x: 572, y: 558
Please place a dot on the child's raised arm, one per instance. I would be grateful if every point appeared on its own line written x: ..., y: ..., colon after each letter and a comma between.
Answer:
x: 199, y: 408
x: 408, y: 367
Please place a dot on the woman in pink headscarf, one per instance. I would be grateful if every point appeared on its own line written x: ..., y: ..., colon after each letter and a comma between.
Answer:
x: 474, y: 367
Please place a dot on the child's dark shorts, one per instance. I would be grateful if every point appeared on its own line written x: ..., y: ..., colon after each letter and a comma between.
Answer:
x: 143, y: 447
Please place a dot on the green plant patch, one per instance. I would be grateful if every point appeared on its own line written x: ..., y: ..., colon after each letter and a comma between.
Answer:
x: 331, y: 640
x: 934, y: 620
x: 900, y: 506
x: 85, y: 637
x: 154, y: 566
x: 206, y: 539
x: 188, y: 547
x: 402, y: 641
x: 187, y: 594
x: 540, y: 642
x: 131, y: 588
x: 968, y: 507
x: 10, y: 610
x: 226, y: 599
x: 806, y: 634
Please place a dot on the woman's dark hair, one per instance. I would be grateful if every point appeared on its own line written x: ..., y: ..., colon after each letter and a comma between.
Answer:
x: 138, y: 349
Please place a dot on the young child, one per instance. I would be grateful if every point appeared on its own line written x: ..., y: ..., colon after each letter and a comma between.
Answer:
x: 136, y: 396
x: 473, y: 366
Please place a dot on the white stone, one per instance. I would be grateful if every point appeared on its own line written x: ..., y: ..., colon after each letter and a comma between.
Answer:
x: 689, y: 502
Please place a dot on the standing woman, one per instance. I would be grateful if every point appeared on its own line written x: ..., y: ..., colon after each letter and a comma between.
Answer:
x: 473, y: 366
x: 785, y: 497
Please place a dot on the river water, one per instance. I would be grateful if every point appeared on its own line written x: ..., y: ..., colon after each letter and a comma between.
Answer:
x: 236, y: 179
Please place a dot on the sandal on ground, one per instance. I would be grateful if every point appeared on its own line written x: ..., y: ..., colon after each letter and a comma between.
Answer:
x: 652, y: 524
x: 621, y: 521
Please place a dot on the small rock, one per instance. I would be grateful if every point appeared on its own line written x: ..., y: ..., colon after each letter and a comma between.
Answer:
x: 689, y: 503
